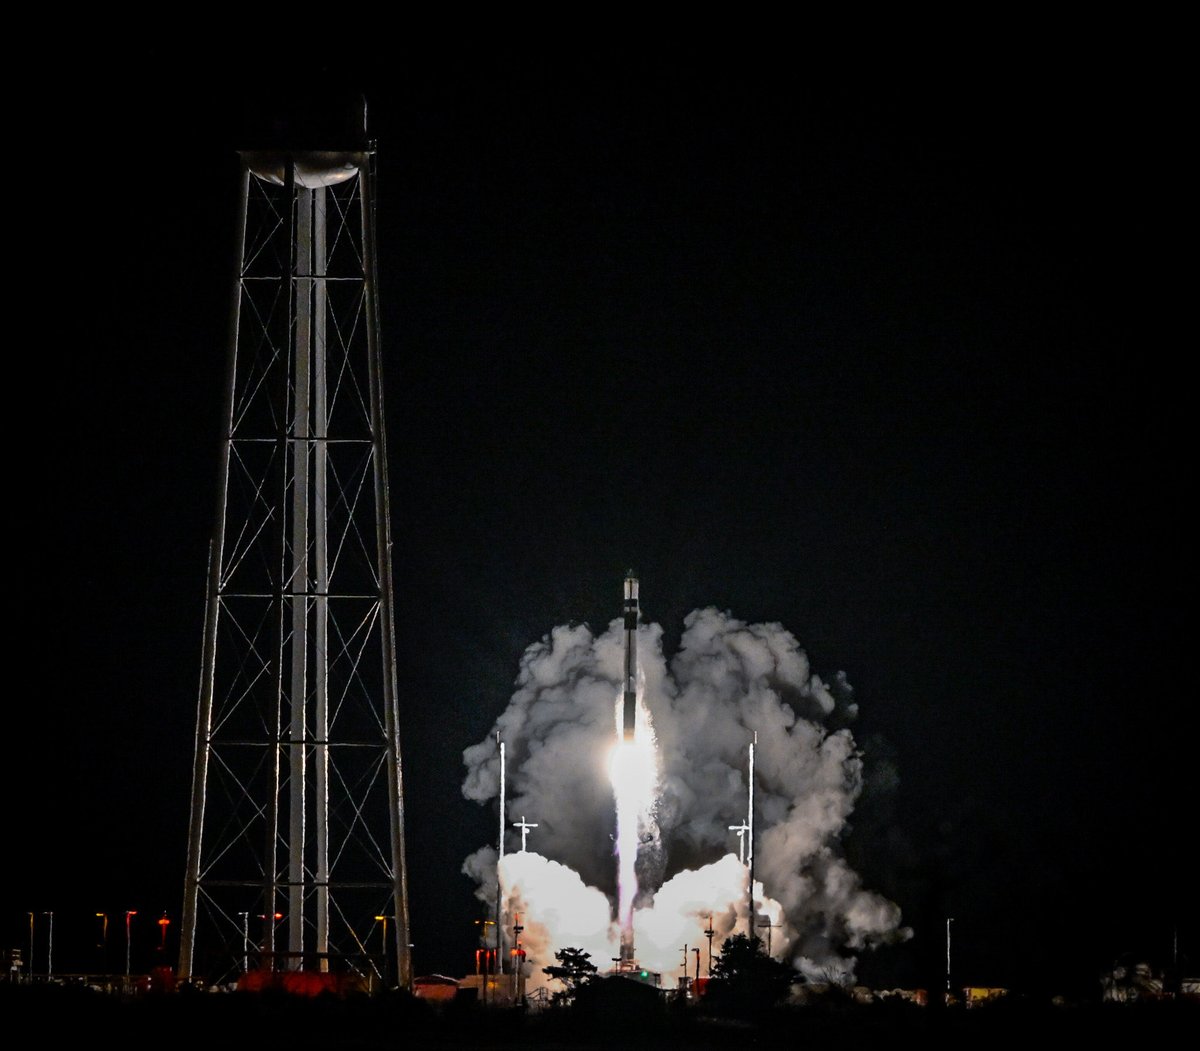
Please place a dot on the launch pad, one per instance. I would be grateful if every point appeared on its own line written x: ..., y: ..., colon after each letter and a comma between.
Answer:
x: 631, y: 969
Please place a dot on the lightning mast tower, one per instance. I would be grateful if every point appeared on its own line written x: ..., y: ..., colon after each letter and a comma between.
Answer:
x: 297, y: 817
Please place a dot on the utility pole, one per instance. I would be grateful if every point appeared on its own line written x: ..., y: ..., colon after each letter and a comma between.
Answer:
x: 386, y: 970
x: 129, y: 914
x: 524, y: 826
x: 485, y: 954
x: 245, y: 941
x: 103, y: 946
x: 766, y: 922
x: 499, y: 864
x: 741, y: 831
x: 750, y: 845
x: 949, y: 920
x: 518, y: 958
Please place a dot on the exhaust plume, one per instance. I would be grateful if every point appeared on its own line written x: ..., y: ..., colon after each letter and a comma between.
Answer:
x: 728, y: 680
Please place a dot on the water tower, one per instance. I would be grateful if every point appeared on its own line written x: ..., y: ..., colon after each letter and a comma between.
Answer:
x: 296, y: 846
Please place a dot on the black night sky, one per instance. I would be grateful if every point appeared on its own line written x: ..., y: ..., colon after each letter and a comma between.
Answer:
x: 887, y: 353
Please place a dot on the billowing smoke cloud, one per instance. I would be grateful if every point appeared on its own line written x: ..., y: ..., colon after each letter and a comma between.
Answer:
x: 556, y: 909
x: 728, y: 680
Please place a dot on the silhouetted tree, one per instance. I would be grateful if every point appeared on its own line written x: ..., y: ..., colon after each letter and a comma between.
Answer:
x: 746, y: 979
x: 574, y: 969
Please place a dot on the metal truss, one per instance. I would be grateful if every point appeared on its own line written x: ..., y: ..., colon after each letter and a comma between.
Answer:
x: 296, y: 846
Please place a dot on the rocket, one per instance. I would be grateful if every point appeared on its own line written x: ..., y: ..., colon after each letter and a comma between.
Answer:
x: 632, y: 613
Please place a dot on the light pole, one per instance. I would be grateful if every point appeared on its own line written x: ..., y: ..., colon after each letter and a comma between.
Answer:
x: 245, y: 942
x: 949, y: 920
x: 29, y: 965
x: 273, y: 918
x: 129, y: 914
x: 50, y: 947
x: 384, y: 920
x: 103, y: 946
x: 483, y: 926
x: 163, y: 924
x: 518, y: 961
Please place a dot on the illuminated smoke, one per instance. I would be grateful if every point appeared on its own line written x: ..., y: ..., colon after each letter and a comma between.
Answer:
x: 728, y: 680
x: 557, y: 909
x: 682, y: 909
x: 633, y: 771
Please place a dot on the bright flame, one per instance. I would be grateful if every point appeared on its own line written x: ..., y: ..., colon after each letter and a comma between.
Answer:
x: 633, y: 768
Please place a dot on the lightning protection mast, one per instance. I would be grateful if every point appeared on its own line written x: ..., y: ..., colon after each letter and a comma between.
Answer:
x: 296, y: 843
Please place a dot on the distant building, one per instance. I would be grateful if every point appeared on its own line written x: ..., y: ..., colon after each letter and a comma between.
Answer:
x: 920, y: 997
x: 301, y: 983
x: 487, y: 989
x: 619, y: 996
x: 436, y: 987
x: 1130, y: 982
x: 978, y: 995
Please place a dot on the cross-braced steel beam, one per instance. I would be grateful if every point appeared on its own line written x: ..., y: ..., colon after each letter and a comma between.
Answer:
x: 297, y: 817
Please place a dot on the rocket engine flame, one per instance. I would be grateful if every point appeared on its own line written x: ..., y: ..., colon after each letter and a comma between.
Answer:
x: 633, y: 769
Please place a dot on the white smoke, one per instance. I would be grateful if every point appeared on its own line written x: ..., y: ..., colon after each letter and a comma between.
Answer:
x: 685, y: 905
x: 556, y: 909
x: 728, y: 680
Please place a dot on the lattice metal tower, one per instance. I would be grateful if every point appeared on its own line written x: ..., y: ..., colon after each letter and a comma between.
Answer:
x: 296, y: 846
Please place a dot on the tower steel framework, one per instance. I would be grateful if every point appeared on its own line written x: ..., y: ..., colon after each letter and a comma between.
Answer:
x: 296, y: 844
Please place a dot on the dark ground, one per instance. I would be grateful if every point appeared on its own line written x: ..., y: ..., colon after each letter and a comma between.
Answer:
x: 249, y: 1020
